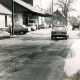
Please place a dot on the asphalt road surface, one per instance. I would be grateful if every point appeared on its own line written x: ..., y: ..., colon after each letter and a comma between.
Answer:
x: 34, y: 56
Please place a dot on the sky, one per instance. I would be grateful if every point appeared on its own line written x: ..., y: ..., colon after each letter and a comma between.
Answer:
x: 77, y: 7
x: 45, y: 3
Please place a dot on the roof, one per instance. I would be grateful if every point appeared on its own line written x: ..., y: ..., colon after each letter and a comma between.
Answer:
x: 4, y: 10
x: 28, y: 6
x: 60, y: 13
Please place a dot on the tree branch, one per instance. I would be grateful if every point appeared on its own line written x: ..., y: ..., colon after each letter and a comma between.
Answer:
x: 70, y: 2
x: 61, y: 1
x: 72, y: 10
x: 60, y: 5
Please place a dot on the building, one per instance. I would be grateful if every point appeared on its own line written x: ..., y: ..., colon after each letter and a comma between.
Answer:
x: 5, y: 14
x: 29, y: 2
x: 59, y: 18
x: 22, y: 10
x: 38, y: 5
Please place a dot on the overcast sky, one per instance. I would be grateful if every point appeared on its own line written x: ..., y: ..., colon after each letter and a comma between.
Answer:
x: 46, y: 3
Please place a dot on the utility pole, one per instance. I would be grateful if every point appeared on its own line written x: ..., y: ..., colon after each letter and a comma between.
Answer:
x: 12, y: 28
x: 52, y: 14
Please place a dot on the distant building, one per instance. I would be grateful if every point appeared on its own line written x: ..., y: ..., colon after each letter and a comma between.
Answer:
x: 59, y: 18
x: 78, y: 18
x: 73, y: 19
x: 75, y: 22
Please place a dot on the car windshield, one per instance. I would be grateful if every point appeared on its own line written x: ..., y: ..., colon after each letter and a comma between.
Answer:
x: 61, y: 28
x: 23, y: 26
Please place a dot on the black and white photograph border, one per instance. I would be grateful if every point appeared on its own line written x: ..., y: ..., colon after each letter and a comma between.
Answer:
x: 39, y: 39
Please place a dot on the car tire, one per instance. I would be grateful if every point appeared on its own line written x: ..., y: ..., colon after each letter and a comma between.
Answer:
x: 21, y: 32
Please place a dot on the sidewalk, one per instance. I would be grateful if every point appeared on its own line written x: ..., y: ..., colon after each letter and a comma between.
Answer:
x: 41, y: 32
x: 28, y: 37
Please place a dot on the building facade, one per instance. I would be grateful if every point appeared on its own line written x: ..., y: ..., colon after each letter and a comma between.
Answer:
x: 23, y: 9
x: 5, y: 14
x: 59, y: 18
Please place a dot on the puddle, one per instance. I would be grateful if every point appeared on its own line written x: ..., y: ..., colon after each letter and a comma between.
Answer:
x: 72, y: 62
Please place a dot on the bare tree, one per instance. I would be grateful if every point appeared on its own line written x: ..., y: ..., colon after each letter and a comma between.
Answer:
x: 65, y: 5
x: 49, y: 9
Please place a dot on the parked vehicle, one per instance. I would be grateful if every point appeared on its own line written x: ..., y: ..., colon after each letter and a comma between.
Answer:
x: 59, y: 31
x: 18, y: 29
x: 75, y: 24
x: 42, y: 26
x: 33, y: 27
x: 33, y: 23
x: 29, y: 28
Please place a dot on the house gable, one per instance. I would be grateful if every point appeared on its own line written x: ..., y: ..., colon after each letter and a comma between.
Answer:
x: 57, y: 15
x: 59, y: 18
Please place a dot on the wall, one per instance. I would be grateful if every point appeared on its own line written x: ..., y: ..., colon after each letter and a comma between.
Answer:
x: 18, y: 19
x: 2, y: 21
x: 59, y: 19
x: 29, y: 1
x: 8, y: 21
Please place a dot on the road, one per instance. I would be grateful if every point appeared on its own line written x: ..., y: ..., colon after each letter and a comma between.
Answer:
x: 34, y: 56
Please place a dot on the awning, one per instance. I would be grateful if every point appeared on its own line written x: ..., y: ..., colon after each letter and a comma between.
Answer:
x: 47, y: 15
x: 4, y: 10
x: 31, y: 8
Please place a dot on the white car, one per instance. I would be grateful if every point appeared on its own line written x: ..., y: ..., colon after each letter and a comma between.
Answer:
x: 59, y: 31
x: 32, y: 27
